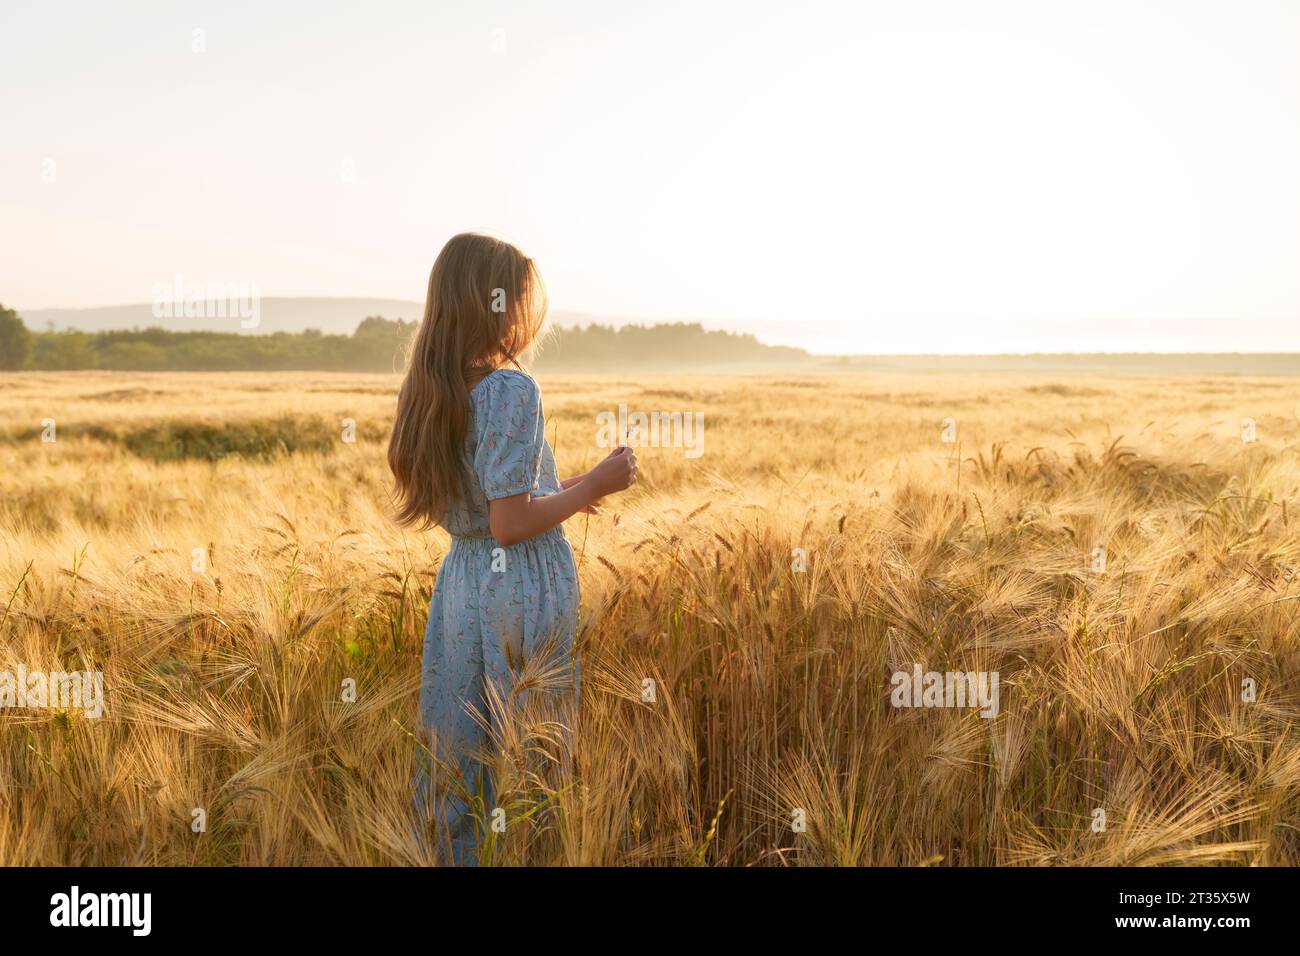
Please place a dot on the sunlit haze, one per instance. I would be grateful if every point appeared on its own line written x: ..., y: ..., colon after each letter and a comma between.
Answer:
x: 870, y: 177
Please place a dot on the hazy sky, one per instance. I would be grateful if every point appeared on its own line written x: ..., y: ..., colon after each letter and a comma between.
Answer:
x: 906, y: 171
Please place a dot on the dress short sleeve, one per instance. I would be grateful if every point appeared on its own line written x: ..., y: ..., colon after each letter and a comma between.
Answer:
x: 509, y: 428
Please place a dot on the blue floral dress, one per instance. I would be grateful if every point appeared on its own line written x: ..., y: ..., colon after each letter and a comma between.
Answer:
x: 492, y: 608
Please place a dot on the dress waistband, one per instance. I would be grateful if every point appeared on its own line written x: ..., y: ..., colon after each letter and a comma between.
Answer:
x: 547, y: 535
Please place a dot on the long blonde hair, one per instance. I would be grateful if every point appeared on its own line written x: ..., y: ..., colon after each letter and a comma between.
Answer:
x: 485, y: 308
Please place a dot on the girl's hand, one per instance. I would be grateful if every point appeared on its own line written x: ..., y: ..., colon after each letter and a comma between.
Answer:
x: 616, y: 473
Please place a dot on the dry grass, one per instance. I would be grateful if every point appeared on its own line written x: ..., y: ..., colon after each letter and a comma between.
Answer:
x: 1120, y: 691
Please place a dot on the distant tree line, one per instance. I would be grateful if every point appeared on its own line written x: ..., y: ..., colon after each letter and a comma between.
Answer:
x: 15, y: 340
x: 671, y: 343
x: 377, y: 345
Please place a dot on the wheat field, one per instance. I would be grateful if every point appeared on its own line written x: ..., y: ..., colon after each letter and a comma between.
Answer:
x: 221, y: 549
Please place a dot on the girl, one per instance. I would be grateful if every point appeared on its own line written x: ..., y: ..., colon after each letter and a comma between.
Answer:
x: 469, y: 453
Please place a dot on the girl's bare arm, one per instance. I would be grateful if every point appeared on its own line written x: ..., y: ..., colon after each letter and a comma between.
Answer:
x: 521, y: 517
